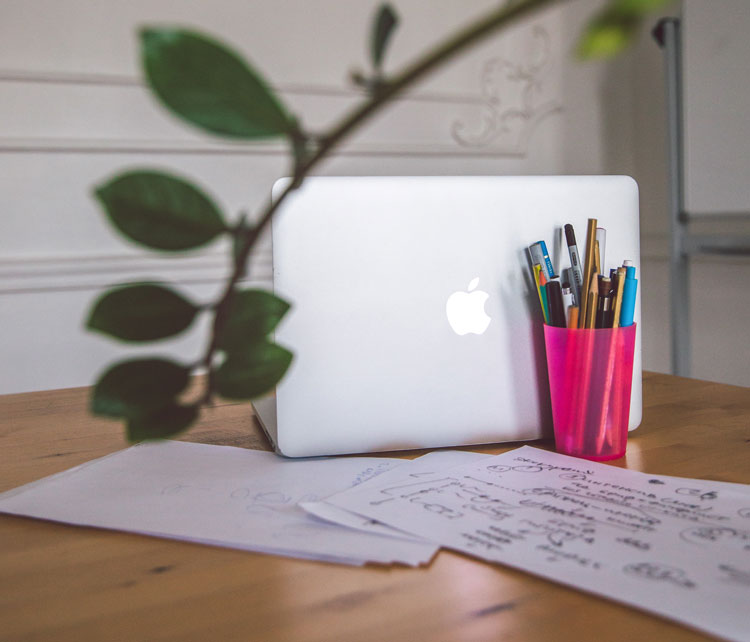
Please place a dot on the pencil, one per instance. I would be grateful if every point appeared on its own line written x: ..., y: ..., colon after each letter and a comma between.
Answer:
x: 617, y: 305
x: 591, y: 301
x: 573, y: 316
x: 588, y: 269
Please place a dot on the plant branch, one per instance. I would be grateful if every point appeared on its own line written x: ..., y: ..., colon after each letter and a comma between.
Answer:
x: 387, y: 89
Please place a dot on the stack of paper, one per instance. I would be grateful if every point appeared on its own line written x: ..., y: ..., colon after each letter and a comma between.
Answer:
x: 218, y: 495
x: 672, y: 546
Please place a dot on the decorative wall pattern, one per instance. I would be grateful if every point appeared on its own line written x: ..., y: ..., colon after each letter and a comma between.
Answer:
x: 514, y: 100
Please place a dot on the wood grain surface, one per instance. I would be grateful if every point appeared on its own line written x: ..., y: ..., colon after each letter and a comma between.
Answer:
x: 64, y: 583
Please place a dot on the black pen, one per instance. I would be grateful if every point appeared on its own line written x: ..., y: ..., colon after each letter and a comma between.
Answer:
x: 604, y: 310
x: 555, y: 303
x: 575, y: 263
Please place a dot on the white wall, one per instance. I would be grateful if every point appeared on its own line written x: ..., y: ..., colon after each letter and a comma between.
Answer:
x: 717, y: 102
x: 73, y: 112
x: 718, y: 333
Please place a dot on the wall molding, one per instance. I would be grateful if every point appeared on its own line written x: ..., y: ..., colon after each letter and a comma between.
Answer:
x: 55, y: 273
x: 306, y: 89
x: 55, y: 145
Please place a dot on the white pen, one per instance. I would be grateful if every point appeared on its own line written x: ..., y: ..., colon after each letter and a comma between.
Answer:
x: 601, y: 239
x: 567, y: 296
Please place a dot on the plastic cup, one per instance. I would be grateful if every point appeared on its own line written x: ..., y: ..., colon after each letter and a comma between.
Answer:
x: 590, y: 379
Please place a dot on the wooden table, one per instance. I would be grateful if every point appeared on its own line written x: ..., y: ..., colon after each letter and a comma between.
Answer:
x: 68, y: 583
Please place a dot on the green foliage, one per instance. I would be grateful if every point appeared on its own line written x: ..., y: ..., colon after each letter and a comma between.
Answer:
x: 141, y: 312
x: 610, y: 31
x: 385, y: 22
x: 160, y: 211
x: 132, y: 388
x: 210, y: 86
x: 252, y: 370
x: 144, y: 392
x: 252, y: 315
x: 253, y: 364
x: 161, y: 423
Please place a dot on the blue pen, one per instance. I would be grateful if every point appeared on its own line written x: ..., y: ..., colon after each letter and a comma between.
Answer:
x: 628, y: 297
x: 547, y: 262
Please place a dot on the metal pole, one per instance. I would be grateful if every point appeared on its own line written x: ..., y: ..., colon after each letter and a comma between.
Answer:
x: 667, y: 34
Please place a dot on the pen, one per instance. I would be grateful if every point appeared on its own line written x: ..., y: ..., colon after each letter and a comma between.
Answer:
x: 567, y: 295
x: 597, y: 258
x: 535, y: 252
x: 539, y: 290
x: 588, y: 270
x: 540, y: 255
x: 568, y: 280
x: 604, y: 307
x: 545, y: 302
x: 628, y: 296
x: 575, y: 263
x: 555, y: 302
x: 547, y: 262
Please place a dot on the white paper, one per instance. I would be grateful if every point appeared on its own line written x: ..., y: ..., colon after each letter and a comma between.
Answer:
x: 671, y: 546
x: 426, y: 464
x: 217, y: 495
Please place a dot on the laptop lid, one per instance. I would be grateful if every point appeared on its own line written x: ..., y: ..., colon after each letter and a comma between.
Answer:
x: 369, y: 264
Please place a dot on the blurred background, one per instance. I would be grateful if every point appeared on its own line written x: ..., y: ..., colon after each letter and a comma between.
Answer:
x: 74, y: 111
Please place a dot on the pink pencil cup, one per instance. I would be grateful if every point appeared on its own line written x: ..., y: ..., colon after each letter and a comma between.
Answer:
x: 590, y: 380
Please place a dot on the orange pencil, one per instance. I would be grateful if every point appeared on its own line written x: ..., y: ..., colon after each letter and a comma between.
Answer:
x: 573, y: 316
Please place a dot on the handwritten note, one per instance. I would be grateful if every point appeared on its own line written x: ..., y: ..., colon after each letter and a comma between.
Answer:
x: 217, y: 495
x: 675, y: 547
x: 668, y: 545
x: 424, y: 465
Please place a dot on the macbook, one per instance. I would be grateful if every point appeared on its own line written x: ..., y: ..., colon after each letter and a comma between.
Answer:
x: 415, y: 322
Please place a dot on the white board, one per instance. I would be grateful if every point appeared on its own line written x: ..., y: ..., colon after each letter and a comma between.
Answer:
x: 716, y: 70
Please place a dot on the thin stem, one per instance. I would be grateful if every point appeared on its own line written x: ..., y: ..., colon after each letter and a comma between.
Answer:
x: 449, y: 48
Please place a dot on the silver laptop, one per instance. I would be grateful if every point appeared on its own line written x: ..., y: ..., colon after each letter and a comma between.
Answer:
x: 415, y: 322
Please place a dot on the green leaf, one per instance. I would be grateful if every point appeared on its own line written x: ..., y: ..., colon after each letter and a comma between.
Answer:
x: 253, y: 371
x: 160, y: 211
x: 386, y: 21
x: 161, y: 423
x: 130, y: 388
x: 611, y: 30
x: 253, y: 314
x: 211, y: 86
x: 143, y: 392
x: 141, y: 312
x: 605, y: 41
x: 639, y: 7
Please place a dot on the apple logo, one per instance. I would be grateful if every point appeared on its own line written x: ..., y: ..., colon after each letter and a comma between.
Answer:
x: 465, y: 310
